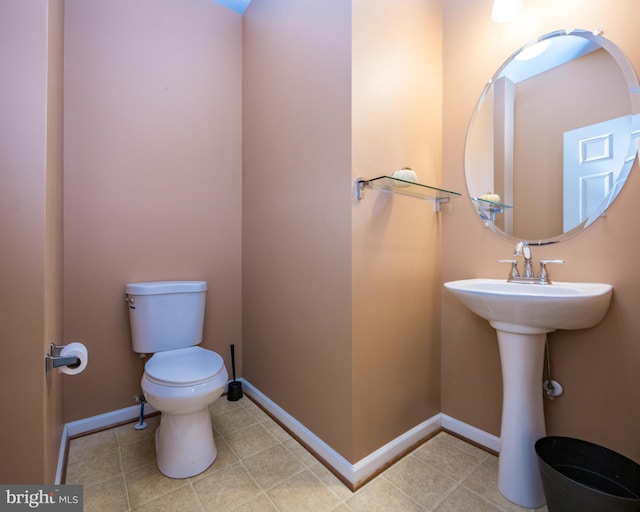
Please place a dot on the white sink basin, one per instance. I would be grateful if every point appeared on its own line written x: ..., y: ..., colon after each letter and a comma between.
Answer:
x: 522, y: 315
x: 518, y: 307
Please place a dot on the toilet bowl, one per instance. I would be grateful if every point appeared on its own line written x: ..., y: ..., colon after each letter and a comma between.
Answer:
x: 181, y: 379
x: 181, y: 384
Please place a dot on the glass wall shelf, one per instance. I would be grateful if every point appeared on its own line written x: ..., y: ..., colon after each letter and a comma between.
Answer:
x: 408, y: 188
x: 488, y: 209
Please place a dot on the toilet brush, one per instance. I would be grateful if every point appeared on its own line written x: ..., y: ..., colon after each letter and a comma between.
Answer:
x: 234, y: 391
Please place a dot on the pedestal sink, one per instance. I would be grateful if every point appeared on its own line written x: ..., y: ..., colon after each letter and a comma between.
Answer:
x: 523, y: 314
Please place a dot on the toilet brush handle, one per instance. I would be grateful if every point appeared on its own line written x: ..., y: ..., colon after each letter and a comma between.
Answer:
x: 233, y: 362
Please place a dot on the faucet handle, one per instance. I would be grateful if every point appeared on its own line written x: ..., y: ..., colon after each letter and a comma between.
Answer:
x: 543, y: 276
x: 514, y: 268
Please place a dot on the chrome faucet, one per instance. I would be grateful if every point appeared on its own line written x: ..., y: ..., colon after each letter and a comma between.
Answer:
x: 523, y: 250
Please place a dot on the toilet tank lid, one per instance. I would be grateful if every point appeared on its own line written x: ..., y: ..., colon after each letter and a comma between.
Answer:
x: 160, y: 287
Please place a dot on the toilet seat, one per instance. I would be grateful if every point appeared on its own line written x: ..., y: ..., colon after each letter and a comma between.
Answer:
x: 184, y: 367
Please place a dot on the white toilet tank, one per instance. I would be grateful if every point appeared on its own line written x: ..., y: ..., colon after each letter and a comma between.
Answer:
x: 166, y: 315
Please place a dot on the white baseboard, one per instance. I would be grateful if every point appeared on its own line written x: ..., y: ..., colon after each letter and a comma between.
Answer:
x: 79, y: 427
x: 106, y: 420
x: 372, y: 463
x: 470, y: 432
x: 361, y: 470
x: 352, y: 473
x: 64, y: 441
x: 322, y: 449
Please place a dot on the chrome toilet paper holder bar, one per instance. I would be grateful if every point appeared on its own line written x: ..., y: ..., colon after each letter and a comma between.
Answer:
x: 55, y: 359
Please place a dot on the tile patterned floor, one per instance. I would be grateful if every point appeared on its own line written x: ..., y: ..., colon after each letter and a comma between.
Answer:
x: 260, y: 468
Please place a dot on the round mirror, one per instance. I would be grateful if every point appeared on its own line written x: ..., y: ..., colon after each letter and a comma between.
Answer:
x: 553, y: 137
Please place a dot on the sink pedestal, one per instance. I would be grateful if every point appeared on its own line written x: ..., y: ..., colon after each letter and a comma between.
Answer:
x: 523, y: 314
x: 522, y: 360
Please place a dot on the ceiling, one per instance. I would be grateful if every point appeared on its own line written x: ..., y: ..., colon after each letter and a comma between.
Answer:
x: 235, y: 5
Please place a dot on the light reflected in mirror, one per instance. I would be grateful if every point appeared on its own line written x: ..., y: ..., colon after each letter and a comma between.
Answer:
x: 553, y: 137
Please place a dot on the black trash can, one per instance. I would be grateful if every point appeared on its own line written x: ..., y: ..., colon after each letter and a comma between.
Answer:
x: 578, y: 476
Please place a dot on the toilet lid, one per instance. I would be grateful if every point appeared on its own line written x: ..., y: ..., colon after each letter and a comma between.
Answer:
x: 184, y: 367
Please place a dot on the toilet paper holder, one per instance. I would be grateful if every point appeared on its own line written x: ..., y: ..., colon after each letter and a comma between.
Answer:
x: 55, y: 360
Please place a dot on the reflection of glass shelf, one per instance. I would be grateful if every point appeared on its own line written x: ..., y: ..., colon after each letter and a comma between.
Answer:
x: 409, y: 188
x: 488, y: 209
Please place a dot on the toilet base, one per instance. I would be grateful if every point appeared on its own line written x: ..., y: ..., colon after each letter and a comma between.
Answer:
x: 184, y: 444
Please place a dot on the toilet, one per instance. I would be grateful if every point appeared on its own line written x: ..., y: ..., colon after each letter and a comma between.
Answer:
x: 181, y: 379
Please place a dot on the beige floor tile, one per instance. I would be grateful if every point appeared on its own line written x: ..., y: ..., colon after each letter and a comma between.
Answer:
x: 246, y: 402
x: 447, y: 458
x: 465, y: 500
x: 276, y: 430
x: 223, y: 406
x: 331, y: 481
x: 342, y: 508
x: 257, y: 412
x: 146, y: 484
x: 380, y: 495
x: 142, y: 453
x: 231, y: 421
x: 300, y: 451
x: 184, y: 499
x: 226, y: 489
x: 108, y: 495
x: 98, y: 444
x: 460, y: 444
x: 128, y: 435
x: 420, y: 481
x: 273, y: 466
x: 88, y: 471
x: 260, y: 503
x: 251, y: 406
x: 303, y: 492
x: 251, y: 440
x: 225, y: 458
x: 484, y: 481
x: 261, y: 468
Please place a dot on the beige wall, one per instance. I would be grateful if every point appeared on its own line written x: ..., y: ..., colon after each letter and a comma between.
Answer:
x: 340, y: 312
x: 152, y: 176
x: 597, y: 367
x: 397, y: 118
x: 296, y: 211
x: 30, y: 229
x: 340, y: 304
x: 53, y: 285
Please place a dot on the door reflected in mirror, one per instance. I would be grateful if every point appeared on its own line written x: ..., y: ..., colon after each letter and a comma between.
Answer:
x: 553, y: 137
